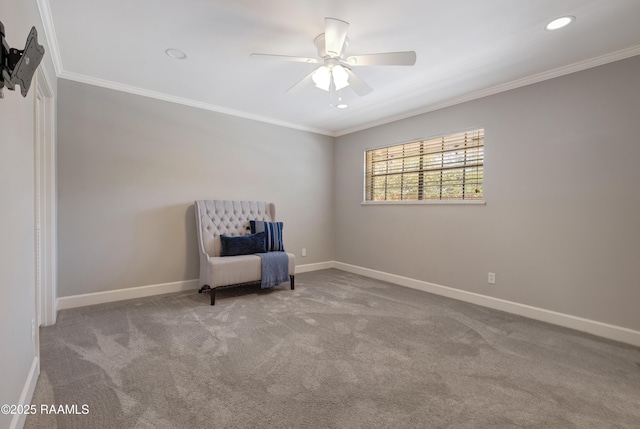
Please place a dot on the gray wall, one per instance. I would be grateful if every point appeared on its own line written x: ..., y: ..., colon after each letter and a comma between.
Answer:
x: 17, y: 260
x: 130, y: 167
x: 560, y: 227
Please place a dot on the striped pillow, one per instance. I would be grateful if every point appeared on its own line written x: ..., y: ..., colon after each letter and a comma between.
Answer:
x: 273, y: 234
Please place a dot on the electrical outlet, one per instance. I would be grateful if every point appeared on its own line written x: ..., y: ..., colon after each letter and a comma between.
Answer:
x: 304, y: 251
x: 492, y: 278
x: 33, y: 330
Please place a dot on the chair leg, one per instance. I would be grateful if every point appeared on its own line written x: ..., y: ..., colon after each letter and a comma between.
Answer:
x: 292, y: 278
x: 212, y: 292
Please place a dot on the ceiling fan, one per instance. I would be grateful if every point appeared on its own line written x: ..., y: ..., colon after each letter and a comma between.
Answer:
x: 335, y: 71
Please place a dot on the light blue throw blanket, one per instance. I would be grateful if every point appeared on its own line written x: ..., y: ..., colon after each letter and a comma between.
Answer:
x: 275, y: 268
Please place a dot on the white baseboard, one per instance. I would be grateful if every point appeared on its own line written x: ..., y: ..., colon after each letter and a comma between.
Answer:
x: 314, y: 267
x: 18, y: 420
x: 612, y: 332
x: 122, y: 294
x: 150, y: 290
x: 600, y: 329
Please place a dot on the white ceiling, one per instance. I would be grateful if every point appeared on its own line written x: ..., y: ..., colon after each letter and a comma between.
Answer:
x: 465, y: 49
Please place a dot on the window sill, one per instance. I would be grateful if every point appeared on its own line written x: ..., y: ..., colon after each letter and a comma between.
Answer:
x: 422, y: 202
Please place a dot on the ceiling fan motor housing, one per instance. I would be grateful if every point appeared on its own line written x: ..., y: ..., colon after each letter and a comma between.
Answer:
x: 322, y: 50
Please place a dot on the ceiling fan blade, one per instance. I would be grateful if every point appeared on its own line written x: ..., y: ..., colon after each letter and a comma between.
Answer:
x: 335, y: 33
x: 284, y: 58
x: 357, y: 84
x: 407, y: 58
x: 302, y: 82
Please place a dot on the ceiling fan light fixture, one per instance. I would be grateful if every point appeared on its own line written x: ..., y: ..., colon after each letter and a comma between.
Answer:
x: 340, y: 77
x: 322, y: 78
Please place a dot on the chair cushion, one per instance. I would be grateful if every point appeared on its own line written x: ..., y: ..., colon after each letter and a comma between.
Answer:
x: 239, y: 269
x: 242, y: 244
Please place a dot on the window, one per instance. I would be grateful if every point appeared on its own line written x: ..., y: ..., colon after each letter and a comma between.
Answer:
x: 446, y: 168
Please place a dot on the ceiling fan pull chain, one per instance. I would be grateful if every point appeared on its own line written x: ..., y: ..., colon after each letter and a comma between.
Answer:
x: 331, y: 92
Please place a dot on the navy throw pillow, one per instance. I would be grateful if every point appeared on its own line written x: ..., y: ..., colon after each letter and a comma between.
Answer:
x: 242, y: 245
x: 273, y: 234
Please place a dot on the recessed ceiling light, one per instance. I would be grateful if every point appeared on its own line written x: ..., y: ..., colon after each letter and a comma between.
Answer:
x: 560, y: 22
x: 176, y: 53
x: 342, y: 106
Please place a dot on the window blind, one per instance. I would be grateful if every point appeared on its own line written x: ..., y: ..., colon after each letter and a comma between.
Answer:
x: 442, y: 168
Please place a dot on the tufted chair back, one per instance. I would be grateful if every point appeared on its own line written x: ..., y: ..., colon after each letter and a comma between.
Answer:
x: 216, y: 217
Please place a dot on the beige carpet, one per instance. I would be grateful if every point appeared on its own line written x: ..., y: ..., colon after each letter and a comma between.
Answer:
x: 341, y: 351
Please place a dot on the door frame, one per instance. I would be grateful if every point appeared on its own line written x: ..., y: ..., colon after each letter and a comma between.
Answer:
x: 45, y: 190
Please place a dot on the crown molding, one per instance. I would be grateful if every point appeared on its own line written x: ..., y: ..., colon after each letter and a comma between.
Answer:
x: 185, y: 101
x: 49, y: 28
x: 50, y: 33
x: 518, y: 83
